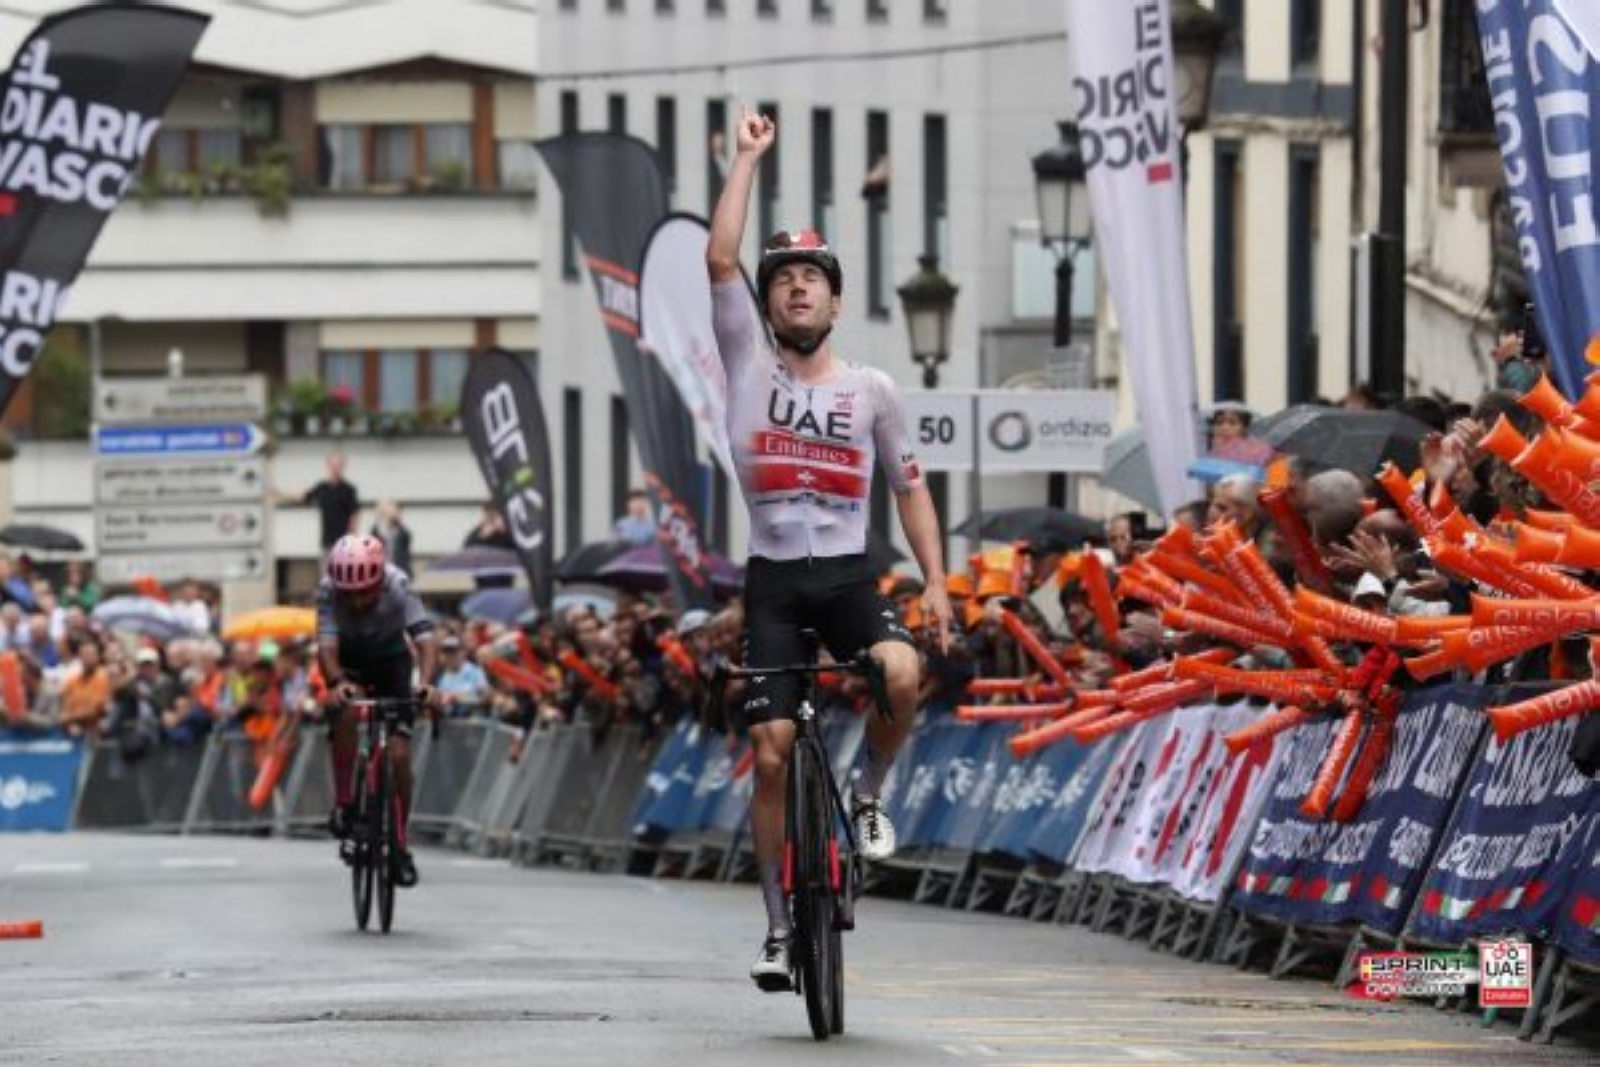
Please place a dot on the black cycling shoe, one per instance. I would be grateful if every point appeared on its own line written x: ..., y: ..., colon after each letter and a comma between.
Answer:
x: 405, y: 870
x: 341, y: 821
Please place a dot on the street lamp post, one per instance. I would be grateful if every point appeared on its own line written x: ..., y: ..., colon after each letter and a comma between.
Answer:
x: 1060, y: 182
x: 929, y: 299
x: 1197, y: 35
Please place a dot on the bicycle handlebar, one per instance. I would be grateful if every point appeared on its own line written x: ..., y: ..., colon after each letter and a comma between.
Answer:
x: 863, y: 666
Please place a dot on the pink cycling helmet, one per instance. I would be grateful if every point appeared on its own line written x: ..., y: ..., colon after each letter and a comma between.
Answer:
x: 355, y: 563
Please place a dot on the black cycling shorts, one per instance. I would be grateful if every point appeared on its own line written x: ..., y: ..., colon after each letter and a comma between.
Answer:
x: 385, y: 678
x: 836, y: 596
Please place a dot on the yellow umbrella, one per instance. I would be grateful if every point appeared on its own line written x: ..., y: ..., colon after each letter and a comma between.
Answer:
x: 278, y: 623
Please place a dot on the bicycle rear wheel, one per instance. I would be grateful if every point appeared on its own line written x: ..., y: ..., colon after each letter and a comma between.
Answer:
x: 815, y: 937
x: 360, y: 868
x: 386, y: 852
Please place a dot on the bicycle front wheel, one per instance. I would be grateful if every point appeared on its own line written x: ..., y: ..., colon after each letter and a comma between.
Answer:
x: 815, y: 938
x: 360, y: 868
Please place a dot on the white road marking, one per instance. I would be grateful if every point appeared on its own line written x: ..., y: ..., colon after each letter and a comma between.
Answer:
x: 197, y: 863
x: 1155, y: 1055
x: 51, y: 867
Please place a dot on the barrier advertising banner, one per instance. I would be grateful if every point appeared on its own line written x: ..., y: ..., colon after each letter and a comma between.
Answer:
x: 83, y: 101
x: 1516, y: 844
x: 38, y: 780
x: 615, y: 196
x: 1119, y: 803
x: 1027, y: 794
x: 1120, y: 56
x: 1578, y: 926
x: 1545, y: 87
x: 504, y: 420
x: 1369, y: 869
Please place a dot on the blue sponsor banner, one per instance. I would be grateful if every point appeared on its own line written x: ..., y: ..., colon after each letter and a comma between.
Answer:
x: 914, y: 799
x: 1054, y: 838
x: 1578, y: 928
x: 972, y: 786
x: 1514, y: 850
x: 1545, y: 87
x: 1025, y: 798
x: 1369, y: 869
x: 669, y: 787
x: 38, y: 781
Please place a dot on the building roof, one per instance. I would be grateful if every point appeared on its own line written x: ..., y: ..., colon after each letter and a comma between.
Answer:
x: 309, y: 39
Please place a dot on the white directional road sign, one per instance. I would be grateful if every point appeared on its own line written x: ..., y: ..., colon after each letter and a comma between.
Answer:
x: 206, y: 399
x: 204, y: 565
x: 180, y: 526
x: 179, y: 481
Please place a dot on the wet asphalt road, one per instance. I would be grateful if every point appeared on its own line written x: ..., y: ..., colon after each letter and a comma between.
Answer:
x: 205, y: 951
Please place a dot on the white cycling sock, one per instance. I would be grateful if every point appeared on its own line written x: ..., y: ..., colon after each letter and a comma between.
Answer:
x: 772, y: 896
x: 870, y: 781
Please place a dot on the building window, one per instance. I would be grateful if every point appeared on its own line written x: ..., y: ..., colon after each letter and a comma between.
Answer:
x: 935, y: 188
x: 393, y: 154
x: 716, y: 8
x: 397, y: 380
x: 1232, y: 12
x: 344, y: 369
x: 1305, y: 31
x: 620, y: 476
x: 346, y: 159
x: 517, y: 163
x: 447, y: 369
x: 767, y: 9
x: 877, y: 10
x: 716, y: 150
x: 617, y: 7
x: 822, y: 10
x: 572, y: 465
x: 569, y: 5
x: 665, y: 7
x: 569, y: 240
x: 667, y: 140
x: 1227, y: 357
x: 875, y: 190
x: 822, y: 171
x: 1033, y: 278
x: 1304, y: 208
x: 767, y: 192
x: 1464, y: 105
x: 616, y: 113
x: 447, y: 152
x: 935, y: 10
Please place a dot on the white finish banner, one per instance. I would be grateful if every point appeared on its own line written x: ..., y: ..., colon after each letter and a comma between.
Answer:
x: 1120, y: 56
x: 1584, y: 17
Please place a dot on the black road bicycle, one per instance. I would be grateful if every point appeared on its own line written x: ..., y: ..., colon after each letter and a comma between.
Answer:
x: 377, y: 836
x: 821, y: 876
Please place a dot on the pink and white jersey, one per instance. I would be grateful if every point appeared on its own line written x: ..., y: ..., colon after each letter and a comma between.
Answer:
x: 805, y: 452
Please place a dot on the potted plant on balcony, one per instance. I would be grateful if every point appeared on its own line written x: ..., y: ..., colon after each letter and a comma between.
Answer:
x: 301, y: 406
x: 339, y: 408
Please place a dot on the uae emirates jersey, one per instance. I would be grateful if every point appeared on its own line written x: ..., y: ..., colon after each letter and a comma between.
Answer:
x: 804, y: 452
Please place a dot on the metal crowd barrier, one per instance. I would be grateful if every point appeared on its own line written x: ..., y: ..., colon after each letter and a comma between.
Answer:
x: 220, y: 801
x: 149, y: 794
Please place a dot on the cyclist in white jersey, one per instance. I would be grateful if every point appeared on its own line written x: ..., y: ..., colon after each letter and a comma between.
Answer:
x: 805, y: 428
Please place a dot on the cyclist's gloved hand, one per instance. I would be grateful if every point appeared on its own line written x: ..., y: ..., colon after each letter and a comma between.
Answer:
x: 345, y: 692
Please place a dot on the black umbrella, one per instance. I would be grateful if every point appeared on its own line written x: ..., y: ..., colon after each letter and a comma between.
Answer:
x: 644, y: 567
x: 39, y: 538
x: 1345, y: 439
x: 1045, y: 529
x: 583, y: 563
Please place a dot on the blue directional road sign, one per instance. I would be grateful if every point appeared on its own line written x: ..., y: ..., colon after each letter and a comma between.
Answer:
x: 228, y: 438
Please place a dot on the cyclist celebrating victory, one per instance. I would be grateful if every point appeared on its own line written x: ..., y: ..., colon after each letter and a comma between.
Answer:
x: 368, y: 621
x: 805, y: 427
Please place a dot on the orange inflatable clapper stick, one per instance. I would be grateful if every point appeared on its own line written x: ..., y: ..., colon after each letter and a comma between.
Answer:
x: 1362, y: 625
x: 1187, y: 570
x: 1547, y: 402
x: 1308, y: 562
x: 1269, y: 725
x: 1503, y: 440
x: 1538, y: 546
x: 1161, y: 672
x: 1373, y: 752
x: 11, y: 687
x: 1227, y: 611
x: 1581, y: 548
x: 1098, y: 586
x: 1009, y: 712
x: 272, y: 769
x: 1405, y: 498
x: 1509, y: 720
x: 1554, y: 521
x: 1498, y: 611
x: 1410, y: 628
x: 1243, y: 636
x: 1548, y: 580
x: 1035, y: 648
x: 1333, y: 766
x: 1031, y: 741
